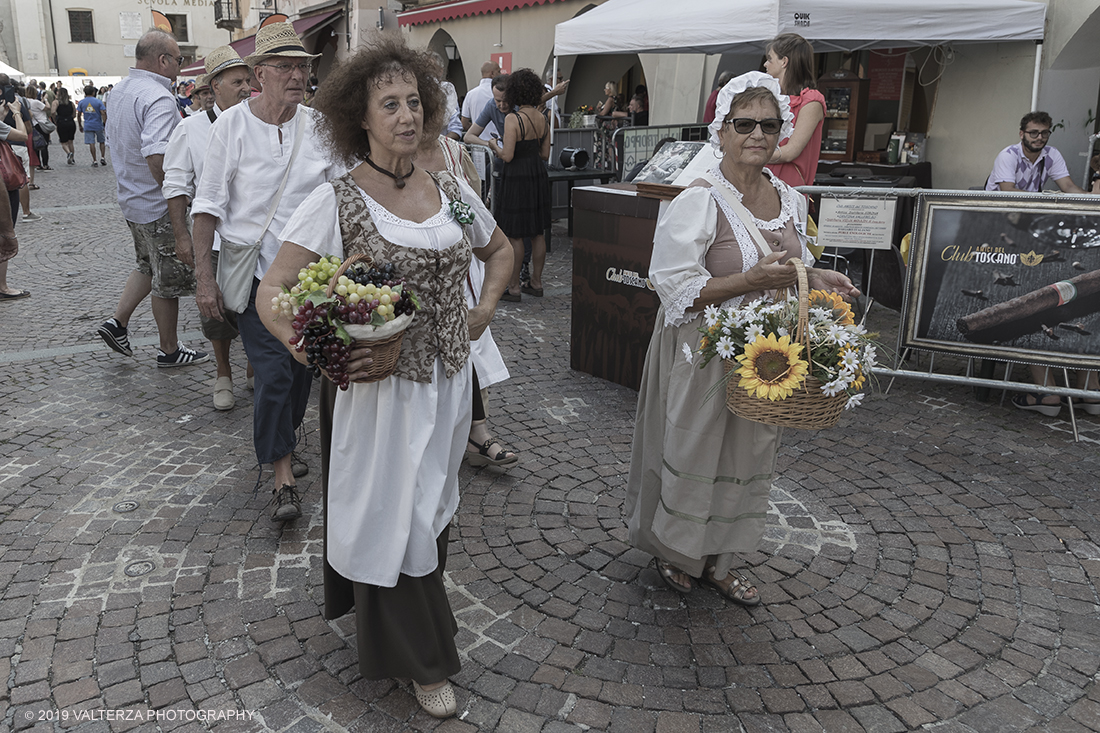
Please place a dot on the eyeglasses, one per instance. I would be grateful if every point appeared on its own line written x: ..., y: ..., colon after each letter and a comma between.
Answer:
x: 745, y: 125
x: 177, y: 59
x: 287, y: 68
x: 1033, y: 134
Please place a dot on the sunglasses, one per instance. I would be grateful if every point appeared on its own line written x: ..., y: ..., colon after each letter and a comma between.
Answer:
x: 287, y: 68
x: 177, y: 59
x: 745, y: 125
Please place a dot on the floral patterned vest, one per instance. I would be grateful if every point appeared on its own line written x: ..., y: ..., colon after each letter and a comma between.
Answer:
x: 438, y: 277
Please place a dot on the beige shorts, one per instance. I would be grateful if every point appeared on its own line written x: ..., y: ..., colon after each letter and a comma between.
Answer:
x: 21, y: 153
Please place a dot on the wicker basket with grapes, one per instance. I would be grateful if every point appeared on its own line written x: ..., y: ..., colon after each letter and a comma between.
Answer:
x: 335, y: 304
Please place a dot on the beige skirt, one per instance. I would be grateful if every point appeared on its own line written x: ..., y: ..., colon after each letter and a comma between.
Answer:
x: 699, y: 475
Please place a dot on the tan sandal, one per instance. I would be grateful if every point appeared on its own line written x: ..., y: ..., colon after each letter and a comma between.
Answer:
x: 736, y: 590
x: 667, y: 571
x: 438, y: 703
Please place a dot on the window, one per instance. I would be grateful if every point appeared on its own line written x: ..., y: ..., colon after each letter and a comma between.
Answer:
x: 179, y: 27
x: 80, y: 26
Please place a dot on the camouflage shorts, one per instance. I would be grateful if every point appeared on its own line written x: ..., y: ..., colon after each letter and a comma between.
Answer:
x: 155, y: 247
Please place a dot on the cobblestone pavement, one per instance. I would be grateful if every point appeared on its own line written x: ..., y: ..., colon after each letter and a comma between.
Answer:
x: 932, y: 562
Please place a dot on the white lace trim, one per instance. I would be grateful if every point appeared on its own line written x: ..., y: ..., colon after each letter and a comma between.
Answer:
x: 676, y: 312
x: 381, y: 213
x: 787, y: 210
x: 750, y: 253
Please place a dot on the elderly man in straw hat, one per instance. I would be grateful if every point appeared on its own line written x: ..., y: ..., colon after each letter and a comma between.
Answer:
x: 227, y: 78
x: 143, y: 116
x: 202, y: 96
x: 256, y: 147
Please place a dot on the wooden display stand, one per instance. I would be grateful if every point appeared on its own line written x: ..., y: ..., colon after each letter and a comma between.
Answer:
x: 845, y: 115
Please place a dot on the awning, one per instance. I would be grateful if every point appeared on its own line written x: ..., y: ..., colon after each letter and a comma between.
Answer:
x: 745, y: 26
x: 304, y: 27
x: 463, y: 9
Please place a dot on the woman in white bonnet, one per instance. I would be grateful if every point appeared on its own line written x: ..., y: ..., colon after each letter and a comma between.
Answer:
x: 700, y: 476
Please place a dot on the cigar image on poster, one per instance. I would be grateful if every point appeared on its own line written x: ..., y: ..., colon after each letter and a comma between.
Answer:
x: 1006, y: 276
x: 1036, y: 303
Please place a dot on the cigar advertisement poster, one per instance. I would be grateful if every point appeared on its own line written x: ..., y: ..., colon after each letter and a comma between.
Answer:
x: 1005, y: 276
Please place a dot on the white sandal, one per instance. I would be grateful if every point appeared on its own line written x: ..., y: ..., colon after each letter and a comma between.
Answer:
x: 439, y: 703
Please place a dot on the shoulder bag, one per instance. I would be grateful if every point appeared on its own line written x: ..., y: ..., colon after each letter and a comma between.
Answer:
x: 237, y: 262
x: 11, y: 168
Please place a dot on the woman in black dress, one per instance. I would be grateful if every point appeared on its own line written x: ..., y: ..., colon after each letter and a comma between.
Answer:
x: 525, y: 186
x: 66, y: 124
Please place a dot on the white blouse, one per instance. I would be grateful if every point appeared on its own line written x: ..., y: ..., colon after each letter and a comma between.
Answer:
x: 687, y: 230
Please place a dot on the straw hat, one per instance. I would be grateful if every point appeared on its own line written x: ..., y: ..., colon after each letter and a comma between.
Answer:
x: 220, y: 59
x: 201, y: 82
x: 278, y: 39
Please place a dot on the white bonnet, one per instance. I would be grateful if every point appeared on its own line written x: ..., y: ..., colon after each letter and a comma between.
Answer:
x: 747, y: 81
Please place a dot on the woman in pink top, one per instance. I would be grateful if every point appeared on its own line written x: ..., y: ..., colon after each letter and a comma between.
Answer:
x: 791, y: 61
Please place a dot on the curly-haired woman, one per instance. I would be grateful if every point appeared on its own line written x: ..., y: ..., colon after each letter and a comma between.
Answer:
x: 525, y: 186
x: 392, y: 448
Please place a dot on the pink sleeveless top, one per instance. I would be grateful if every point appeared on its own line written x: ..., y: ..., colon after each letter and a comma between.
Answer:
x: 801, y: 171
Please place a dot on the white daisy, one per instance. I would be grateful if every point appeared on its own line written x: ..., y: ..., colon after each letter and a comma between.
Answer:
x: 687, y: 352
x: 837, y: 334
x: 710, y: 313
x: 850, y: 360
x: 869, y: 355
x: 725, y: 347
x: 753, y: 332
x: 781, y: 331
x: 854, y: 401
x: 832, y: 389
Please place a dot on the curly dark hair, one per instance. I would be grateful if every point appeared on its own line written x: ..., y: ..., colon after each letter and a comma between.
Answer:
x: 343, y: 98
x: 524, y: 88
x: 1041, y: 118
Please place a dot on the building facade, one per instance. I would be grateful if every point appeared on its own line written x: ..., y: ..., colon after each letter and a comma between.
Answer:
x: 49, y: 38
x: 975, y: 94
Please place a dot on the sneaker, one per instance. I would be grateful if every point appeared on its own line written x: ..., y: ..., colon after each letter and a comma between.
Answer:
x: 102, y: 162
x: 32, y: 217
x: 223, y: 394
x: 182, y: 356
x: 298, y: 467
x: 70, y: 159
x: 95, y: 164
x: 288, y: 505
x: 116, y: 337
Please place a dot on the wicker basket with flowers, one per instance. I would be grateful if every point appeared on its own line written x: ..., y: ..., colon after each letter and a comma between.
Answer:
x: 797, y: 362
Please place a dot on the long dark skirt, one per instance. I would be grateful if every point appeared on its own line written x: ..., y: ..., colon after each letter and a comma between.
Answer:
x: 406, y: 631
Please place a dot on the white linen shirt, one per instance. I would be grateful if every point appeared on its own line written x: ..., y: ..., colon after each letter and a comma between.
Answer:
x: 142, y: 117
x: 245, y: 162
x: 184, y: 158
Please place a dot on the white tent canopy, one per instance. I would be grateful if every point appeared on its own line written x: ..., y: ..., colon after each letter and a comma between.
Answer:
x: 739, y: 26
x: 12, y: 72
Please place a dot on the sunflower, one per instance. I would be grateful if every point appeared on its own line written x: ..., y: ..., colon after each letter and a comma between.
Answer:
x: 842, y: 312
x: 770, y: 368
